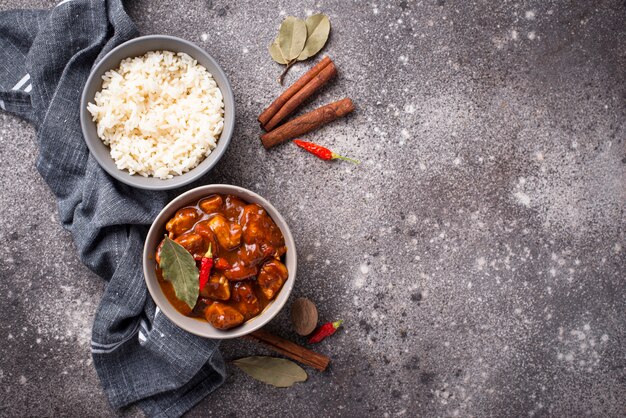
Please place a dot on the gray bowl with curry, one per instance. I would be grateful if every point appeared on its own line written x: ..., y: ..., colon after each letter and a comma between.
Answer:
x: 220, y: 261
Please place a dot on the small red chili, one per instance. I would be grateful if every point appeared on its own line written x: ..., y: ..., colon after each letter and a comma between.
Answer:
x: 205, y: 268
x: 321, y: 152
x: 324, y: 331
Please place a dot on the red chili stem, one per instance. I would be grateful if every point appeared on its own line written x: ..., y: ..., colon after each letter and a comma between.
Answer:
x: 341, y: 157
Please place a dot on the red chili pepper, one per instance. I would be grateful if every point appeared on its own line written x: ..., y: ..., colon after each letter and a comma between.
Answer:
x: 205, y: 267
x: 321, y: 152
x: 324, y: 331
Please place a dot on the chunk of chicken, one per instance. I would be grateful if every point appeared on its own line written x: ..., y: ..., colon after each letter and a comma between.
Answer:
x: 183, y: 221
x: 211, y: 204
x: 217, y: 287
x: 240, y: 271
x: 202, y: 228
x: 222, y: 316
x: 244, y: 300
x: 228, y: 233
x: 251, y: 254
x: 221, y: 264
x: 272, y: 277
x: 233, y: 208
x: 259, y: 229
x: 194, y: 243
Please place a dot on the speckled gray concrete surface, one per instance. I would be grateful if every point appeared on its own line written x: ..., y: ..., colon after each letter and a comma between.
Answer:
x: 477, y: 254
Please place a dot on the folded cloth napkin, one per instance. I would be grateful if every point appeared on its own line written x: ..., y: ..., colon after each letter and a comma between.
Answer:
x: 139, y: 355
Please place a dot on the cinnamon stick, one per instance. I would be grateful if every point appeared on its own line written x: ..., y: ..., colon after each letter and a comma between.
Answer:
x: 271, y: 110
x: 304, y: 93
x: 290, y: 349
x: 307, y: 122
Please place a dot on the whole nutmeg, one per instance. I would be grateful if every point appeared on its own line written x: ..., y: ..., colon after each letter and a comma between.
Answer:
x: 303, y: 316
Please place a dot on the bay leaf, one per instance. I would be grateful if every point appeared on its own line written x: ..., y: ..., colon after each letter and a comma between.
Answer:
x: 276, y: 54
x: 318, y: 28
x: 179, y: 268
x: 292, y: 37
x: 278, y: 372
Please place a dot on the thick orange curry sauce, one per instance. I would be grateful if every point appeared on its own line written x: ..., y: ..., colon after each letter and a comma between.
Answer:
x: 248, y: 249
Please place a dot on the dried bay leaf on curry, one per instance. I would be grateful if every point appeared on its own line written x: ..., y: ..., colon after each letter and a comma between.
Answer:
x: 278, y: 372
x: 179, y: 268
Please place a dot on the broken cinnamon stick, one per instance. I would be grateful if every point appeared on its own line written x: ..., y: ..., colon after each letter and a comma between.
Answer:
x: 291, y: 350
x: 304, y: 93
x: 307, y: 122
x: 271, y: 110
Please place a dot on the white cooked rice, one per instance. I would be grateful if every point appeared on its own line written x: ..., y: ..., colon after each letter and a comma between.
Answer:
x: 161, y: 114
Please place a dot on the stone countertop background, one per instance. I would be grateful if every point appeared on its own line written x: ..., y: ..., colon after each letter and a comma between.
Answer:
x: 477, y: 254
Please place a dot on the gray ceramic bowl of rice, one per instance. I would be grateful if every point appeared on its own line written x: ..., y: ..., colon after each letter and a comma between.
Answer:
x: 157, y: 112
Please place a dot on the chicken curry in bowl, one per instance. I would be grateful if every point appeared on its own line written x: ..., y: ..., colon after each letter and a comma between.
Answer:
x: 246, y: 250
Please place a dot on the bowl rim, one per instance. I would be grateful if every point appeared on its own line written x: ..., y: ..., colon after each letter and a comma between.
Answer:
x: 185, y: 178
x: 276, y: 305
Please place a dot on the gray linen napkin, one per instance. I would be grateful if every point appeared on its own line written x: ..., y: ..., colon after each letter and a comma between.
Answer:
x: 140, y: 356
